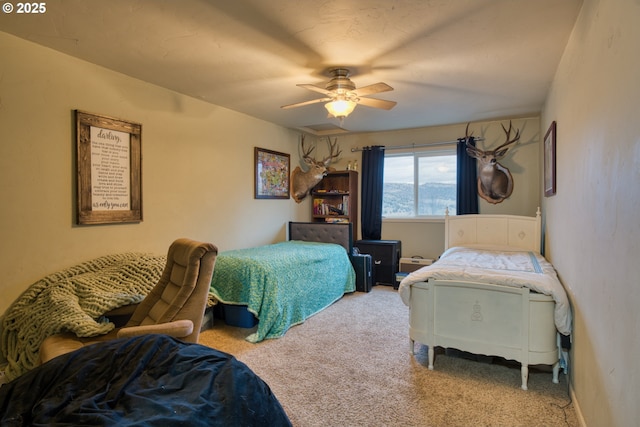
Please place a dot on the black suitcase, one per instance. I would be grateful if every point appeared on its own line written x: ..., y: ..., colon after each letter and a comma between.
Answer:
x: 362, y: 265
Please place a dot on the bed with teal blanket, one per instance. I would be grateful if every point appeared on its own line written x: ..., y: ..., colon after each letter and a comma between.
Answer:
x: 285, y: 283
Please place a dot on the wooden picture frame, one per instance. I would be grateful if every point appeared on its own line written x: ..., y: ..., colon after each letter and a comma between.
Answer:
x: 109, y: 175
x: 550, y: 161
x: 271, y: 174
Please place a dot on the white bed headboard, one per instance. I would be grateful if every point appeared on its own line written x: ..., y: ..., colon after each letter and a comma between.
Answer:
x: 521, y: 232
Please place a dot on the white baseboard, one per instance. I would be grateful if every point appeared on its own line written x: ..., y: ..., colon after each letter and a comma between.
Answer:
x: 576, y: 407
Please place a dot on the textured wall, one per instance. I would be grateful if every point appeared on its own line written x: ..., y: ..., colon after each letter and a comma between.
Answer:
x: 593, y: 231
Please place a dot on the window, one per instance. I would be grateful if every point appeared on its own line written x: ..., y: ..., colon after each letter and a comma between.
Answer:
x: 421, y: 183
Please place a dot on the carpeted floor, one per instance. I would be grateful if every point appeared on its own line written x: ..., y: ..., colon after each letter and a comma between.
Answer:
x: 349, y: 365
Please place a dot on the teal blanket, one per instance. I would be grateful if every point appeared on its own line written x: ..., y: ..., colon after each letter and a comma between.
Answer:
x: 282, y: 284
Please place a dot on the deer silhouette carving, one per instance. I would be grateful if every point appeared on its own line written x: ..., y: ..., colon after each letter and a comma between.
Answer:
x: 302, y: 182
x: 495, y: 182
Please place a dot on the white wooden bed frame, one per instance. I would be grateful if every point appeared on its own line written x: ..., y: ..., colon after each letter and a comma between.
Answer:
x: 487, y: 319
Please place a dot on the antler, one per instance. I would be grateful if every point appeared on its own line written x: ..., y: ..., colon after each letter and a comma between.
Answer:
x: 467, y: 135
x: 508, y: 134
x: 306, y: 154
x: 332, y: 147
x: 471, y: 150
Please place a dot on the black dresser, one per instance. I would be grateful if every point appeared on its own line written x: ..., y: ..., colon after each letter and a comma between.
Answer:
x: 385, y: 255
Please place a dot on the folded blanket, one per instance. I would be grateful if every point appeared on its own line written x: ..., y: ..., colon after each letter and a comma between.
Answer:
x: 74, y: 300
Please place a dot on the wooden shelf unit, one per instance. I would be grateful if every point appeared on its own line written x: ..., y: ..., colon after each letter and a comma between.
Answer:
x: 335, y: 198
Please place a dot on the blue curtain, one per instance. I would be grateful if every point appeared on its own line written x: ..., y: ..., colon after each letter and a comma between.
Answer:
x: 467, y: 191
x: 372, y: 183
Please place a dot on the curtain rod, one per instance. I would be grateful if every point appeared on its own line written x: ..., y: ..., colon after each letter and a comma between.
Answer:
x: 404, y: 147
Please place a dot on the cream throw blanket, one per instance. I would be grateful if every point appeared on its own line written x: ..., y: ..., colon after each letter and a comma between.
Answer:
x: 74, y: 300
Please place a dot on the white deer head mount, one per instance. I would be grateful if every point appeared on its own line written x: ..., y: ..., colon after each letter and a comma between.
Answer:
x: 302, y: 182
x: 495, y: 182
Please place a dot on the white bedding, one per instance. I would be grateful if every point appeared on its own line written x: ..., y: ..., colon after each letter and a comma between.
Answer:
x: 498, y: 266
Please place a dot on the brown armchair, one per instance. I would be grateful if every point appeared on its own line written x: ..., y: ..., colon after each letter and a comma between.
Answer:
x: 175, y: 306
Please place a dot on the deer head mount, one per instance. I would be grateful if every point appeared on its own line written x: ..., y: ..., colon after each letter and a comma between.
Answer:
x: 302, y: 182
x: 495, y: 182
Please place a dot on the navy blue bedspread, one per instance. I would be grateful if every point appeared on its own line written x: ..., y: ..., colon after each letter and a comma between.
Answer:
x: 153, y: 380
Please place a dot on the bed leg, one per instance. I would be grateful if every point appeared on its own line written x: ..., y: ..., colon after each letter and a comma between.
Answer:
x: 431, y: 354
x: 556, y: 371
x: 412, y: 347
x: 524, y: 371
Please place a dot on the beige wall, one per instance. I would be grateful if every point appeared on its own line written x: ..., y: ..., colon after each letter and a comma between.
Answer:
x: 425, y: 238
x: 197, y: 167
x: 593, y: 225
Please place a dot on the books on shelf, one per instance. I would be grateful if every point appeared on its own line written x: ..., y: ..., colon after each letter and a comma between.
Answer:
x: 330, y: 207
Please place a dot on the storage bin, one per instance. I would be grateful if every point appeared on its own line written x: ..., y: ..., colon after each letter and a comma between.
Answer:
x: 239, y: 316
x: 399, y: 276
x: 412, y: 264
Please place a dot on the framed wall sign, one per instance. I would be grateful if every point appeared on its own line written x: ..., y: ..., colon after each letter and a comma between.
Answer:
x: 550, y: 161
x: 271, y: 174
x: 109, y: 184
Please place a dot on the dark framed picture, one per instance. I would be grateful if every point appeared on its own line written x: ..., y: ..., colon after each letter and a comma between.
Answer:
x: 550, y: 161
x: 109, y: 176
x: 271, y: 174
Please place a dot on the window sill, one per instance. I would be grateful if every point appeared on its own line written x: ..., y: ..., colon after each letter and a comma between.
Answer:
x: 435, y: 219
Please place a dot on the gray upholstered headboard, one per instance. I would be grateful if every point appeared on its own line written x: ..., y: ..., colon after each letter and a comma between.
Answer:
x: 339, y: 233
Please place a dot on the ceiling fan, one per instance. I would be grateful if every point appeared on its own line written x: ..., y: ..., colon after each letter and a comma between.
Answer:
x: 341, y: 95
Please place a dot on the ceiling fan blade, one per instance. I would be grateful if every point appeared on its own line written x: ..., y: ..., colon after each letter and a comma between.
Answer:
x: 315, y: 88
x: 302, y: 104
x: 341, y: 89
x: 371, y: 89
x: 377, y: 103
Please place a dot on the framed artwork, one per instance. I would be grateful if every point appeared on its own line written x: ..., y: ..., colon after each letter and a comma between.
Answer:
x: 271, y: 174
x: 550, y: 161
x: 109, y: 177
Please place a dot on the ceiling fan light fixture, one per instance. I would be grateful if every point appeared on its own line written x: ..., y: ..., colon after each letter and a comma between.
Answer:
x: 340, y: 108
x: 341, y: 95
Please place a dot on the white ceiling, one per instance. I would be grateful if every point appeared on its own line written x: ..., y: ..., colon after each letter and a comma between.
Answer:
x: 449, y: 61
